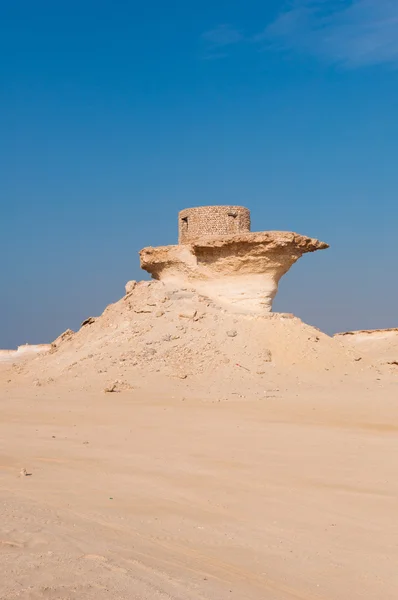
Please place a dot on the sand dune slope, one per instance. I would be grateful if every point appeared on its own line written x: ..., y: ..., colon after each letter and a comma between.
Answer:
x: 158, y: 331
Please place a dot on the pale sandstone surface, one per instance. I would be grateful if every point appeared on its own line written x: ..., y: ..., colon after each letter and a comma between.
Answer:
x: 22, y: 351
x: 33, y: 348
x: 157, y: 330
x: 7, y: 354
x: 240, y: 272
x: 378, y: 345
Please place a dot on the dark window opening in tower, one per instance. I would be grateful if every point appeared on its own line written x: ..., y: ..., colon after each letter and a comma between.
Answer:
x: 232, y: 222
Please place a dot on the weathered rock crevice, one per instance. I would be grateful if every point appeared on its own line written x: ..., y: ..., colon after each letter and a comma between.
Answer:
x: 240, y: 271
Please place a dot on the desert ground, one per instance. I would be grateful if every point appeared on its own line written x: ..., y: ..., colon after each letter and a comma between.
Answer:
x: 154, y: 495
x: 231, y: 458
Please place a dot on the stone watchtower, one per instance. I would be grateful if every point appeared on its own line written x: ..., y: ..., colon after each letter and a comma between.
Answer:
x: 207, y: 221
x: 220, y: 258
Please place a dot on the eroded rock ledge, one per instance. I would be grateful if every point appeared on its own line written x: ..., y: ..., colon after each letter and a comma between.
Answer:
x: 241, y: 271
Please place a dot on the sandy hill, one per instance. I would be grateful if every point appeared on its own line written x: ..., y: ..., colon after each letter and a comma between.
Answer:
x: 380, y: 346
x: 160, y: 332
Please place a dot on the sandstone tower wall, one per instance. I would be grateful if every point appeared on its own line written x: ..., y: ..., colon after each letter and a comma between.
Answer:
x: 204, y: 221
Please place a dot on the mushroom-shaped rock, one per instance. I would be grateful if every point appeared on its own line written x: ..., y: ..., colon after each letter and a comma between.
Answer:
x: 241, y: 271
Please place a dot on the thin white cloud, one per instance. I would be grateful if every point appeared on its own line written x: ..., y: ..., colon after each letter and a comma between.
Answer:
x: 223, y: 35
x: 350, y: 32
x: 216, y: 41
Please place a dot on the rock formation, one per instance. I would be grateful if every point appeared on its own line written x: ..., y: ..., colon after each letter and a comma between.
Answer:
x: 204, y: 321
x: 155, y: 334
x: 378, y: 345
x: 240, y: 270
x: 22, y: 351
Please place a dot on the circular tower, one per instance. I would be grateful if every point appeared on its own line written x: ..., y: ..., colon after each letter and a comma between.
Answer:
x: 207, y: 221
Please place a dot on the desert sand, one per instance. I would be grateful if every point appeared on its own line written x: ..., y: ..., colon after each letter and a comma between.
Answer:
x: 154, y: 495
x: 232, y: 457
x: 189, y: 444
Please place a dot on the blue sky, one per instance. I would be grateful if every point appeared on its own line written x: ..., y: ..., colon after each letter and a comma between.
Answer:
x: 115, y: 115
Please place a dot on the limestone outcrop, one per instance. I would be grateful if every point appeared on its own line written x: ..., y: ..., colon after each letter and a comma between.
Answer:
x: 180, y: 323
x: 180, y: 338
x: 241, y: 271
x: 378, y: 345
x: 23, y: 351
